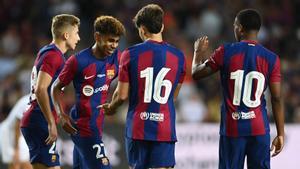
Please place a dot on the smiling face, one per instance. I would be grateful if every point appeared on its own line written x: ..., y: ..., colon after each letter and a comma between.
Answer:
x: 107, y: 44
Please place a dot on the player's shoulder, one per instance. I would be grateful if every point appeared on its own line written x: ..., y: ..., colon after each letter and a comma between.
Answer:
x: 135, y: 47
x: 267, y: 52
x: 50, y: 49
x: 231, y: 45
x: 83, y: 53
x: 174, y: 49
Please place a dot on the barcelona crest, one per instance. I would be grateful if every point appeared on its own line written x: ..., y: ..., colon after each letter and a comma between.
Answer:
x: 110, y: 73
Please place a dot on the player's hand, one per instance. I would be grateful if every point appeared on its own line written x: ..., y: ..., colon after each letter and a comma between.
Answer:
x: 107, y: 109
x: 201, y: 45
x: 52, y: 133
x: 277, y: 145
x: 66, y: 124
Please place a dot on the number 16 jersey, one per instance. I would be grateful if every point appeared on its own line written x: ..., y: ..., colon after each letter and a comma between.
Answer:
x: 153, y: 71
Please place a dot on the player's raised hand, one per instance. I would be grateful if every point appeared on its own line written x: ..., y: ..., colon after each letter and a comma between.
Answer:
x: 277, y: 145
x: 66, y: 124
x: 107, y: 109
x: 201, y: 44
x: 52, y: 133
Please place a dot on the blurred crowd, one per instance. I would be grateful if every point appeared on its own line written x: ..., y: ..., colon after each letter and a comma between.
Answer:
x: 25, y: 27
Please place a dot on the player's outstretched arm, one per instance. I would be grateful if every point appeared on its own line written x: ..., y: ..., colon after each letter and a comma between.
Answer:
x: 65, y: 120
x: 278, y: 112
x: 120, y: 95
x: 199, y: 68
x: 43, y: 82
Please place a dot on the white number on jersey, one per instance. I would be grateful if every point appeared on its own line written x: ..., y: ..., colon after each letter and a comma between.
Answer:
x: 158, y: 84
x: 248, y: 84
x: 52, y: 148
x: 100, y: 150
x: 33, y: 82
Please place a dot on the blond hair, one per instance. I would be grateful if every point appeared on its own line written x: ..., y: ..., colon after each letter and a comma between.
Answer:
x: 61, y: 22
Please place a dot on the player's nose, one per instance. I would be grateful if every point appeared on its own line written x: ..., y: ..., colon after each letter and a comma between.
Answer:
x: 115, y: 45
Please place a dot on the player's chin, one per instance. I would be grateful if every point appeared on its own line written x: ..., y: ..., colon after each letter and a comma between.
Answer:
x: 73, y: 47
x: 109, y: 52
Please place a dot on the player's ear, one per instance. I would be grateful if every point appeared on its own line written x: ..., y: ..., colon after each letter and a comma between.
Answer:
x: 144, y: 29
x: 97, y: 36
x: 162, y: 28
x: 241, y: 29
x: 65, y: 35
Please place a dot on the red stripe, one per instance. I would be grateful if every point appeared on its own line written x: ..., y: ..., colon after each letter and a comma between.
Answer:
x: 124, y: 66
x: 164, y: 131
x: 145, y: 60
x: 236, y: 63
x: 257, y: 124
x: 85, y: 109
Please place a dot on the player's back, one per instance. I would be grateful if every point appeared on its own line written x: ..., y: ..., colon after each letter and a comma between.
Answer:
x: 247, y: 70
x: 50, y: 60
x: 155, y: 69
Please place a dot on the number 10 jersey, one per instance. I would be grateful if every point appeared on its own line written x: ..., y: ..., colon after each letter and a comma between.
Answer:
x: 246, y: 70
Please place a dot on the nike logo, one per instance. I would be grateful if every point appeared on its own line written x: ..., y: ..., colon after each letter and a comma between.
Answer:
x: 101, y: 75
x: 88, y: 77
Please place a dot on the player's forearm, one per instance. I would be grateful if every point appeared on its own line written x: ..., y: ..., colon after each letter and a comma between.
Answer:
x: 43, y: 101
x: 197, y: 66
x: 278, y: 112
x: 56, y: 99
x: 17, y: 134
x: 116, y: 101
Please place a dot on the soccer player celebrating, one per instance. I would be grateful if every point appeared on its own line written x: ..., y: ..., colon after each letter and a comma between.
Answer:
x: 92, y: 71
x: 38, y: 124
x: 246, y: 70
x: 151, y: 74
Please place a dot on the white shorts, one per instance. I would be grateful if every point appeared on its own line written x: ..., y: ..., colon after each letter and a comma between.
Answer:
x: 7, y: 147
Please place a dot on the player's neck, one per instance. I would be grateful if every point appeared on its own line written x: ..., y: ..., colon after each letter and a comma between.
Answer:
x: 98, y: 54
x: 250, y: 36
x: 154, y: 37
x: 61, y: 45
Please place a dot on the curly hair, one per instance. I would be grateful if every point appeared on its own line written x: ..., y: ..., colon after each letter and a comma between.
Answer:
x: 109, y: 25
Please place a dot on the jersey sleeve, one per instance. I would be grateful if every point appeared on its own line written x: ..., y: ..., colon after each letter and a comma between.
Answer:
x: 275, y: 74
x: 216, y: 59
x: 183, y: 72
x: 51, y: 63
x: 69, y: 71
x: 118, y: 62
x: 124, y: 67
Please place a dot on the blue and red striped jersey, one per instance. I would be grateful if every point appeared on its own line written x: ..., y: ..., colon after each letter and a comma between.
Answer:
x: 153, y: 71
x: 50, y: 60
x: 246, y: 70
x: 91, y: 80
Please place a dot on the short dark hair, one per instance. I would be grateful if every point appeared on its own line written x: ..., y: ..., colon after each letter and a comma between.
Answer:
x: 250, y: 19
x: 150, y: 16
x: 108, y: 25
